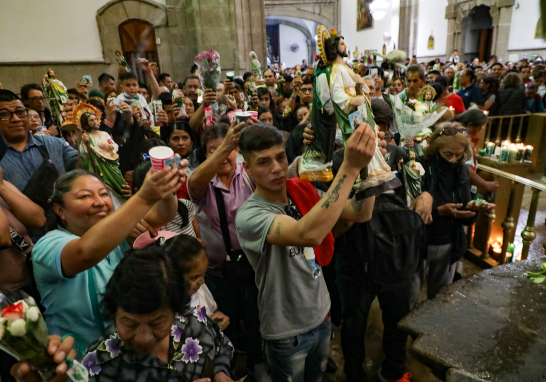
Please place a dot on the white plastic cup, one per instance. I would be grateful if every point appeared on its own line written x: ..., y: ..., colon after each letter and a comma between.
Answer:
x: 242, y: 117
x: 254, y: 114
x: 231, y: 114
x: 161, y: 156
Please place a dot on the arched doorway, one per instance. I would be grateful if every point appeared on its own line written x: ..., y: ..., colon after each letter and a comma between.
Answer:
x: 478, y: 36
x: 138, y: 41
x: 290, y: 40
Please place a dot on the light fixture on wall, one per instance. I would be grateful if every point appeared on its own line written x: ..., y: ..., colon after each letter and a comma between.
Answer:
x: 294, y: 47
x: 378, y: 9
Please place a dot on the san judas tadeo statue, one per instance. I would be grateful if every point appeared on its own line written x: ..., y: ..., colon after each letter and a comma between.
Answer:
x: 338, y: 93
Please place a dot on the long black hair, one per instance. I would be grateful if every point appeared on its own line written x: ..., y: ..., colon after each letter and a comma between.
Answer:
x: 167, y: 130
x: 330, y: 46
x: 144, y: 281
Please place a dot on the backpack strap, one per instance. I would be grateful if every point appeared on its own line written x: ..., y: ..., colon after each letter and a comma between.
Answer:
x: 223, y: 219
x: 92, y: 288
x: 43, y: 150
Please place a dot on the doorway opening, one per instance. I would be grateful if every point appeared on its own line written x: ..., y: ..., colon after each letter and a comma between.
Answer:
x: 479, y: 34
x: 138, y: 41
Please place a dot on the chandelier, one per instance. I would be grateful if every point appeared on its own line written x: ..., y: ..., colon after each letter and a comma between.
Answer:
x: 378, y: 9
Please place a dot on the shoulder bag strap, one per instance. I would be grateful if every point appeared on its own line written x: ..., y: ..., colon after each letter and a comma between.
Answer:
x: 248, y: 182
x: 223, y: 219
x: 42, y: 149
x: 94, y: 300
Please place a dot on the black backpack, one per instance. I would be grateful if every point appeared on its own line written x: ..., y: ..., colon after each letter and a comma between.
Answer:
x: 394, y: 241
x: 39, y: 188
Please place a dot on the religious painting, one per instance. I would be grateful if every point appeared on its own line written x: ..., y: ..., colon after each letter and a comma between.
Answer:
x: 364, y: 18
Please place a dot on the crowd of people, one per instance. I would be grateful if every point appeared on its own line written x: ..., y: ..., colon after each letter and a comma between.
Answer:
x: 172, y: 274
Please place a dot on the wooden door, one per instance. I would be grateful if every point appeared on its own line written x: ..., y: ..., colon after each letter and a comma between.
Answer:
x: 485, y: 43
x: 138, y: 41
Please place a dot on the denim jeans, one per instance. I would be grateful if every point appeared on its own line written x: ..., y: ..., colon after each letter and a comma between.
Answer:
x: 300, y: 358
x: 440, y: 269
x: 239, y: 301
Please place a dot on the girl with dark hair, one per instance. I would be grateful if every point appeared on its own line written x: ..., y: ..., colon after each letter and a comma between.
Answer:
x: 179, y: 137
x: 190, y: 256
x: 156, y: 336
x: 265, y: 115
x: 266, y: 100
x: 447, y: 180
x: 490, y: 89
x: 86, y: 240
x: 301, y: 113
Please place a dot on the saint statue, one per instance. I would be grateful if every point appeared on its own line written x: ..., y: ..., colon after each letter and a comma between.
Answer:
x: 334, y: 98
x: 413, y: 172
x: 256, y: 68
x: 56, y: 95
x: 426, y: 95
x: 98, y: 151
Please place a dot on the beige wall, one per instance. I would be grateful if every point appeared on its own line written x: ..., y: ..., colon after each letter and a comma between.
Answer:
x: 185, y: 28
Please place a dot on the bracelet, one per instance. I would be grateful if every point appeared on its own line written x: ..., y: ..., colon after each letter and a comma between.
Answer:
x: 108, y: 123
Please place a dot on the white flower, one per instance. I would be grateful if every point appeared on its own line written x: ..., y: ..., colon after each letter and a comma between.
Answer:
x: 33, y: 314
x: 1, y: 332
x: 25, y: 305
x: 18, y: 328
x: 423, y: 108
x: 417, y: 116
x: 3, y: 320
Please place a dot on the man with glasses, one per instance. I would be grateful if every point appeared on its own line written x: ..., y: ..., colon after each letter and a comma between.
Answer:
x: 23, y: 157
x: 306, y: 91
x: 33, y: 98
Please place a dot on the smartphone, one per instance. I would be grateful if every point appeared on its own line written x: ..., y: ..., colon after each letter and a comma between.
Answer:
x: 87, y: 79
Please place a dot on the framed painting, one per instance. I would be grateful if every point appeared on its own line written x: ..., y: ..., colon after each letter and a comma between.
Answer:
x: 364, y: 19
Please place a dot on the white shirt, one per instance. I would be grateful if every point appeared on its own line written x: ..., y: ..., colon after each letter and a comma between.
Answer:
x: 203, y: 298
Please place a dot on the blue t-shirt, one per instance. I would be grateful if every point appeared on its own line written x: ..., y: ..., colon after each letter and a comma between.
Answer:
x: 66, y: 299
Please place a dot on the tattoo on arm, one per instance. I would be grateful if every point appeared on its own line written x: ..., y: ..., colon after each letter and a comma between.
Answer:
x: 278, y: 229
x: 357, y: 204
x: 333, y: 196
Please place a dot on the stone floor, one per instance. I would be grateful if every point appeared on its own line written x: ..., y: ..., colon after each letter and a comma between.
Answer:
x: 374, y: 331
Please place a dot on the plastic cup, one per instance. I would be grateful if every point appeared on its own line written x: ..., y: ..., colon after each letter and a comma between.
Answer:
x: 254, y: 114
x: 242, y: 117
x: 230, y: 74
x: 231, y: 114
x: 161, y: 156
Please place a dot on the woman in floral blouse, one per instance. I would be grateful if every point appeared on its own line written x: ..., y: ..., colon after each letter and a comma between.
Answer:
x: 157, y: 336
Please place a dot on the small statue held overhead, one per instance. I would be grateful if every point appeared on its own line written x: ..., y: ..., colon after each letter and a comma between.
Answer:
x: 56, y: 95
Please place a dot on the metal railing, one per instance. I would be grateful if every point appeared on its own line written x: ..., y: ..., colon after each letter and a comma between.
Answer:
x: 509, y: 224
x: 492, y: 122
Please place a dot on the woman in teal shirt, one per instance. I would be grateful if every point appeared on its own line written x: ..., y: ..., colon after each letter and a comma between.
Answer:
x: 75, y: 259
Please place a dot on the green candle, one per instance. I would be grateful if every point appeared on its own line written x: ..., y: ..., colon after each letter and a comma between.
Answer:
x: 510, y: 250
x: 482, y: 152
x: 503, y: 155
x: 512, y: 155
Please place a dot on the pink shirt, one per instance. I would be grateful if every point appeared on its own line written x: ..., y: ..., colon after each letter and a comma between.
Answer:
x: 209, y: 220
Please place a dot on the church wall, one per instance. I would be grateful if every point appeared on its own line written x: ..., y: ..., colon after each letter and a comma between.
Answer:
x: 369, y: 39
x: 523, y: 26
x: 431, y: 17
x: 287, y: 37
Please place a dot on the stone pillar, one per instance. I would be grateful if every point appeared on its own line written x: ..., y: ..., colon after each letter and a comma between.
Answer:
x: 405, y: 26
x: 502, y: 19
x: 250, y: 32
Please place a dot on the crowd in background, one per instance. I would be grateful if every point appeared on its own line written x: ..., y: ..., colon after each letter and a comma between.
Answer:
x: 173, y: 274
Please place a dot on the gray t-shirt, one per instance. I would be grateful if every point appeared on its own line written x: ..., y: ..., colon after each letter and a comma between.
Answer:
x: 292, y: 294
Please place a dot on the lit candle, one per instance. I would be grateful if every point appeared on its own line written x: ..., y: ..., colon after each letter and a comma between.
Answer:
x: 509, y: 257
x: 505, y: 143
x: 520, y: 153
x: 451, y: 108
x: 512, y: 153
x: 490, y: 149
x: 482, y: 152
x: 504, y: 154
x: 528, y: 153
x: 486, y: 112
x: 517, y: 256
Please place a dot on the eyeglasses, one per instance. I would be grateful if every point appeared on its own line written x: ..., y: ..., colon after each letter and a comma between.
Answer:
x: 6, y: 115
x: 42, y: 98
x: 452, y: 130
x: 306, y: 90
x: 292, y: 211
x: 35, y: 117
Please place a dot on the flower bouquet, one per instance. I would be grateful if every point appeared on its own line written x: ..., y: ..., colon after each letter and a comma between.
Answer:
x: 209, y: 69
x: 23, y: 333
x: 413, y: 116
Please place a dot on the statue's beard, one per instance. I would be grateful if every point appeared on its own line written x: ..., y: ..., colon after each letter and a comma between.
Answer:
x: 342, y: 54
